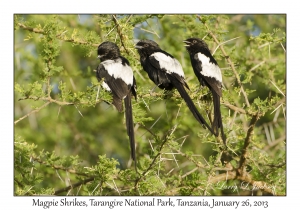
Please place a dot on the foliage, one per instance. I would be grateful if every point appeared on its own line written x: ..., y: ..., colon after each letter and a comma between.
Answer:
x: 69, y: 140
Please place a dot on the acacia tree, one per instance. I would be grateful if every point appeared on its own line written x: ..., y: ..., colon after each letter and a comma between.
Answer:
x: 69, y: 140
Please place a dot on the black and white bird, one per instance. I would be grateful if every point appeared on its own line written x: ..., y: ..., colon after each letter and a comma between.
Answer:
x: 166, y: 72
x: 118, y: 78
x: 209, y: 74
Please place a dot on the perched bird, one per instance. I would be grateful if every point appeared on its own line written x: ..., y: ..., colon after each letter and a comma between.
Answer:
x: 209, y: 74
x: 118, y: 78
x: 166, y: 72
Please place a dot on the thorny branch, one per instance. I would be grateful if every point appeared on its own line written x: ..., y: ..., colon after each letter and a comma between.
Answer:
x: 33, y: 111
x: 247, y: 141
x: 156, y: 156
x: 57, y: 192
x: 239, y: 173
x: 227, y: 104
x: 198, y: 164
x: 123, y: 39
x: 231, y: 174
x: 69, y: 170
x: 41, y: 31
x: 49, y: 100
x: 119, y: 29
x: 72, y: 171
x: 147, y: 95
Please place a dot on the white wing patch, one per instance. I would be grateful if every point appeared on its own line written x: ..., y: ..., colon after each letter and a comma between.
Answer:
x: 209, y: 69
x: 116, y: 69
x: 170, y: 64
x: 105, y: 86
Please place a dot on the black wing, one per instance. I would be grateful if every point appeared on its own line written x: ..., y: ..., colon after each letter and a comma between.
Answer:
x: 164, y: 71
x: 133, y: 88
x: 117, y: 86
x: 156, y: 74
x: 210, y: 82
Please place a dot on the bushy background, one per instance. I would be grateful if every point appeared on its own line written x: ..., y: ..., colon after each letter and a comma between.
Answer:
x: 69, y: 140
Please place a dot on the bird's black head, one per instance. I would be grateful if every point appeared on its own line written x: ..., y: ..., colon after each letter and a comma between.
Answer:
x: 195, y: 45
x: 147, y: 47
x: 108, y: 51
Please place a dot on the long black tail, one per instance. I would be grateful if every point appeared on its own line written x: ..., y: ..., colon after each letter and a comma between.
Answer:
x: 179, y: 86
x: 217, y: 121
x: 129, y: 124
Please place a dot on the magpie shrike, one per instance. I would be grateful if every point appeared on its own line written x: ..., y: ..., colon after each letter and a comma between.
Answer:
x: 209, y: 74
x: 118, y: 78
x: 166, y: 72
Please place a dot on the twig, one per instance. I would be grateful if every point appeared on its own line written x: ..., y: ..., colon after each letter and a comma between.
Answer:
x: 275, y: 142
x: 224, y: 43
x: 116, y: 187
x: 78, y: 111
x: 72, y: 171
x: 227, y: 104
x: 198, y: 164
x: 110, y: 31
x: 61, y: 103
x: 51, y: 100
x: 190, y: 172
x: 128, y: 19
x: 35, y: 30
x: 237, y: 109
x: 156, y: 156
x: 283, y: 47
x: 33, y: 111
x: 234, y: 108
x: 142, y: 29
x: 19, y: 183
x: 119, y: 30
x: 250, y: 132
x: 57, y: 192
x: 95, y: 188
x: 277, y: 88
x: 276, y: 108
x: 59, y: 176
x: 257, y: 65
x: 41, y: 31
x: 58, y: 111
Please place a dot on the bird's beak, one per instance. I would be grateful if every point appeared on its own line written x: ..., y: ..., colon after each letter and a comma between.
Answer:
x: 138, y: 47
x: 100, y: 56
x: 187, y: 43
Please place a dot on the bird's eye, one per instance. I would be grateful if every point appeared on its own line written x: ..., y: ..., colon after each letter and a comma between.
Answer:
x: 194, y: 41
x: 146, y: 45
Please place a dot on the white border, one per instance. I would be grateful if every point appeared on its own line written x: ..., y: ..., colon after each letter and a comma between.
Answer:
x: 8, y: 8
